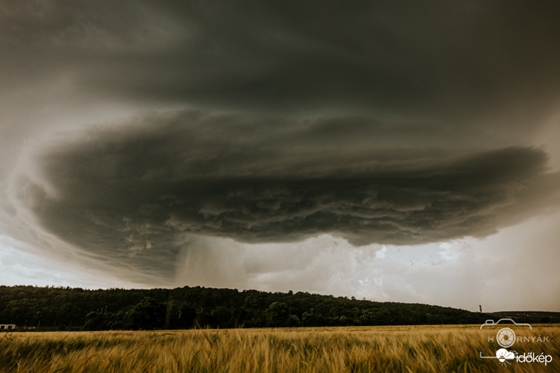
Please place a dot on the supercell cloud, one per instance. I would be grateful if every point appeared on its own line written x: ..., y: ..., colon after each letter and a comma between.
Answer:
x: 131, y: 193
x: 130, y: 131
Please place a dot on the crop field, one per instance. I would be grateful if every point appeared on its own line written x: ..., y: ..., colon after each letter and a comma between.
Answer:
x: 345, y: 349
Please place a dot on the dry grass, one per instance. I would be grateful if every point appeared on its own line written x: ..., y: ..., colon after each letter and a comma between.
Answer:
x: 354, y: 349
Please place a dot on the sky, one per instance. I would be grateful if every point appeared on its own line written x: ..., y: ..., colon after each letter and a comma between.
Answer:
x: 404, y: 151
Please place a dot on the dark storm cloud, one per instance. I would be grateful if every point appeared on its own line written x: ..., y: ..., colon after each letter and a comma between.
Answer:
x: 133, y: 193
x: 404, y: 122
x: 466, y: 60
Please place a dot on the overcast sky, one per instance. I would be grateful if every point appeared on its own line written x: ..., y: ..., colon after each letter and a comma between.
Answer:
x: 404, y: 151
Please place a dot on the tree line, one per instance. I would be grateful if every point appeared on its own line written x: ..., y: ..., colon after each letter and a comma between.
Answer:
x: 66, y: 308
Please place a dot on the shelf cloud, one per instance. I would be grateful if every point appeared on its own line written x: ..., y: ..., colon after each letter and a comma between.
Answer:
x: 138, y: 134
x: 128, y: 193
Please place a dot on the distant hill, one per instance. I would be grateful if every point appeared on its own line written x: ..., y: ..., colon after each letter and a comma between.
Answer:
x: 531, y: 317
x: 187, y: 307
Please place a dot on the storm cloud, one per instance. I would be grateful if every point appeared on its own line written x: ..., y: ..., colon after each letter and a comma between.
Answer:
x: 472, y: 60
x: 132, y: 193
x: 139, y: 134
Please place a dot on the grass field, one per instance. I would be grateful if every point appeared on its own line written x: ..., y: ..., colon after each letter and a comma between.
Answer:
x: 352, y: 349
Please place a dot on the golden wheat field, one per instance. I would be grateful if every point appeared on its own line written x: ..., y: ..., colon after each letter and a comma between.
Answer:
x: 352, y: 349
